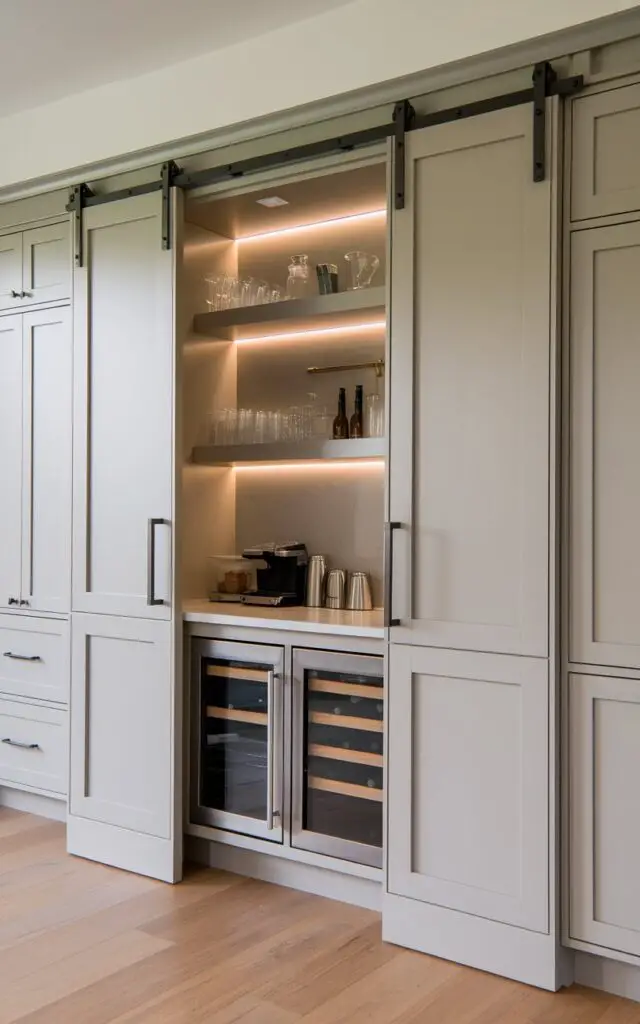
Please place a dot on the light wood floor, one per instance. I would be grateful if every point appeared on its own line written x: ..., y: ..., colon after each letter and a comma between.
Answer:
x: 84, y: 944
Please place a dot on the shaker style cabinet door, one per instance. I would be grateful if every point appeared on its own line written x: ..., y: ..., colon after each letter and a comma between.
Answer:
x: 469, y: 452
x: 11, y: 271
x: 123, y: 413
x: 46, y: 473
x: 122, y: 805
x: 10, y: 459
x: 604, y: 839
x: 46, y: 263
x: 467, y: 818
x: 604, y: 566
x: 605, y: 174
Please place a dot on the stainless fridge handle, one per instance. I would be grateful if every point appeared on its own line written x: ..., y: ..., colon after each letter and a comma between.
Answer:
x: 151, y: 561
x: 388, y: 574
x: 272, y: 813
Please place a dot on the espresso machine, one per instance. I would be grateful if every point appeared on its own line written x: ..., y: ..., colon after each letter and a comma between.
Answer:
x: 284, y: 580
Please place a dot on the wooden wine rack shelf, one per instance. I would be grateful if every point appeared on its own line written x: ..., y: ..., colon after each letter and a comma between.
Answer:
x: 346, y: 722
x: 233, y: 715
x: 340, y: 754
x: 348, y: 689
x: 345, y: 788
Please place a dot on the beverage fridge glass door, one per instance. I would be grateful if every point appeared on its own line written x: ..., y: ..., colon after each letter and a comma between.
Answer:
x: 338, y: 755
x: 237, y: 737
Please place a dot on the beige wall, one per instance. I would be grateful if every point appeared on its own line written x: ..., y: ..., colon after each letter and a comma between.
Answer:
x: 357, y: 46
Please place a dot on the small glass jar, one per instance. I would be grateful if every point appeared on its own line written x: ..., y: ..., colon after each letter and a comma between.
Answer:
x: 298, y: 280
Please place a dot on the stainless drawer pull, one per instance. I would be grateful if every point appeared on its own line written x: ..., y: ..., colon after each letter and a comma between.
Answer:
x: 22, y: 657
x: 19, y: 743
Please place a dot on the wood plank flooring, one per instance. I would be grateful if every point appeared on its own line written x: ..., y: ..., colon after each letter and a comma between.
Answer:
x: 84, y: 944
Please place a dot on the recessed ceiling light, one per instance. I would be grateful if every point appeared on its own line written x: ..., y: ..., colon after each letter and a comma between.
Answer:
x: 272, y: 201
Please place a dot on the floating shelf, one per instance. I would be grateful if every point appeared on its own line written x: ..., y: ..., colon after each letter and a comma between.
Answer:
x: 311, y: 450
x: 343, y: 309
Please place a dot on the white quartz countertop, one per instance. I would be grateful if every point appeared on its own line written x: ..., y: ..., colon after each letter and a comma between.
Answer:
x: 302, y: 620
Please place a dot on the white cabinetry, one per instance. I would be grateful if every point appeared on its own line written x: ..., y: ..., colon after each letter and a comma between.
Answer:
x: 125, y: 789
x: 121, y: 740
x: 468, y: 690
x: 606, y: 155
x: 35, y: 266
x: 467, y: 777
x: 10, y: 460
x: 605, y: 424
x: 469, y: 460
x: 35, y: 460
x: 33, y: 747
x: 34, y: 658
x: 604, y: 743
x: 123, y: 413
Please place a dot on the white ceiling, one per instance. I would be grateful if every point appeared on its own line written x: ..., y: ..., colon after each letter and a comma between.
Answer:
x: 54, y: 48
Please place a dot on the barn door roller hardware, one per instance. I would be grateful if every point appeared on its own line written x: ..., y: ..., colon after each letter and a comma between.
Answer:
x: 405, y: 119
x: 82, y: 196
x: 169, y: 173
x: 77, y: 201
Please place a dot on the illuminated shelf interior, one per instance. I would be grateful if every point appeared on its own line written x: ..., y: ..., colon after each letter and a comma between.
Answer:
x: 311, y: 452
x: 351, y: 309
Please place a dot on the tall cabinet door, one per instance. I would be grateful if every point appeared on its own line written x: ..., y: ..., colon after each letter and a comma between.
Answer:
x: 469, y: 477
x: 467, y: 778
x: 46, y: 516
x: 11, y: 271
x: 605, y: 425
x: 46, y: 263
x: 604, y: 837
x: 10, y: 458
x: 123, y: 413
x: 122, y: 802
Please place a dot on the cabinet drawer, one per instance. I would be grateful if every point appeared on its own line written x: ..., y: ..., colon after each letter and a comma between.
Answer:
x: 34, y: 658
x: 33, y: 746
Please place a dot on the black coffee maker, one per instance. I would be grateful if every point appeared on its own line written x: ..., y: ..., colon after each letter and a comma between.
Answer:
x: 284, y: 580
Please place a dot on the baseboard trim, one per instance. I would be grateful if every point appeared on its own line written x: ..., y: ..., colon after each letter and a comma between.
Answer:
x: 51, y: 807
x: 361, y: 892
x: 613, y: 976
x: 530, y: 957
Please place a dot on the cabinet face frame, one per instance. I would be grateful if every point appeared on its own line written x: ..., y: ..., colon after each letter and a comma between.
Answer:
x: 11, y: 246
x: 583, y: 647
x: 606, y: 99
x: 259, y: 653
x: 154, y: 641
x: 163, y: 465
x: 12, y: 441
x: 61, y: 552
x: 413, y: 672
x: 584, y: 690
x: 33, y: 237
x: 531, y: 635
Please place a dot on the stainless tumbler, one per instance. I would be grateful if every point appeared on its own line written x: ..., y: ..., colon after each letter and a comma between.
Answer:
x: 335, y: 588
x: 359, y: 594
x: 316, y: 572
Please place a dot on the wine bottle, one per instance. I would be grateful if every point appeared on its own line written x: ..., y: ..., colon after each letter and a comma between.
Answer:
x: 341, y: 423
x: 355, y: 429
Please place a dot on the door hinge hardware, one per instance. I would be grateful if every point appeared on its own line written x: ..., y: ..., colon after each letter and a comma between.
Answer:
x: 403, y: 118
x: 76, y: 204
x: 544, y: 77
x: 169, y: 173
